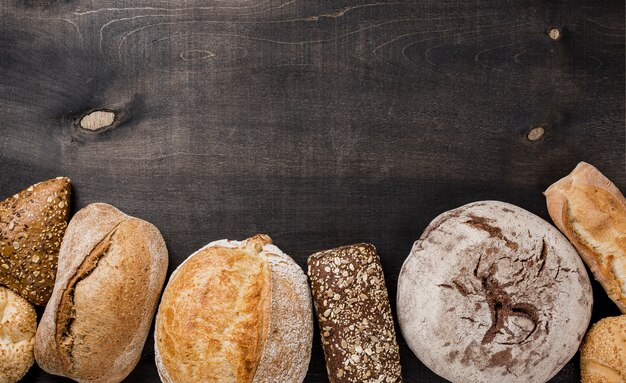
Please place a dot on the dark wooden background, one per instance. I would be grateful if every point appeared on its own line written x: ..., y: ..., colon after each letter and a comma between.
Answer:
x: 321, y: 123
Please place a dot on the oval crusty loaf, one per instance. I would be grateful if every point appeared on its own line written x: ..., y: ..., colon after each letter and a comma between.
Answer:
x: 235, y: 312
x: 32, y: 224
x: 603, y: 353
x: 111, y: 271
x: 591, y: 211
x: 18, y: 323
x: 354, y: 315
x: 493, y: 293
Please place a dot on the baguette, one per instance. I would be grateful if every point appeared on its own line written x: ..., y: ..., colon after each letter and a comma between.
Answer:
x: 111, y: 271
x: 591, y: 211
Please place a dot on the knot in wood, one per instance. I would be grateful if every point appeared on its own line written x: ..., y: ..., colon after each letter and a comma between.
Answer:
x: 554, y: 33
x: 535, y: 133
x: 97, y: 120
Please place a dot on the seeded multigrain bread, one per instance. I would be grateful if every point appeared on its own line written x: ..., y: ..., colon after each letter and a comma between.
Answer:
x: 32, y: 224
x: 354, y: 315
x: 591, y: 211
x: 603, y: 353
x: 250, y: 311
x: 18, y: 323
x: 111, y: 270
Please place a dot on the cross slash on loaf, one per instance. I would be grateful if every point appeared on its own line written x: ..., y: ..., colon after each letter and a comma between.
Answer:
x: 235, y: 312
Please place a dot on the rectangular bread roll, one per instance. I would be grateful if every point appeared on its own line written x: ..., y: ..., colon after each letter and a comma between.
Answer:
x: 354, y: 315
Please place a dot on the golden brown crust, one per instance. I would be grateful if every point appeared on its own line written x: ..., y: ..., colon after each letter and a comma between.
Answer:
x: 18, y: 323
x: 591, y: 212
x: 603, y: 353
x: 214, y: 316
x: 112, y: 269
x: 32, y: 225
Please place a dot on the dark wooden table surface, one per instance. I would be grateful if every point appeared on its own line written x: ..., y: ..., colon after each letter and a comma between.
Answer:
x: 321, y: 123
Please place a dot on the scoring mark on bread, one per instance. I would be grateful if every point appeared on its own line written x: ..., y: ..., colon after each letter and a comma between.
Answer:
x: 503, y: 308
x: 66, y: 312
x: 482, y: 223
x: 513, y: 320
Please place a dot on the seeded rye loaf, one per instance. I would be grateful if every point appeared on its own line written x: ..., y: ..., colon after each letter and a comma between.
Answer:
x: 354, y: 315
x: 32, y: 224
x: 111, y: 270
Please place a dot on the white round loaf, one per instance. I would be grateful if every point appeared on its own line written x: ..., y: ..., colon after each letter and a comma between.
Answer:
x: 493, y: 293
x: 254, y: 312
x: 18, y: 324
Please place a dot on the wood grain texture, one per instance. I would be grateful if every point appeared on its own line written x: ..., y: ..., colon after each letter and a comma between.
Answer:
x: 321, y: 123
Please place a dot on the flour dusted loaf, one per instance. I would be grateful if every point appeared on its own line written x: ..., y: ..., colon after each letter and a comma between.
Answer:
x: 591, y: 211
x: 32, y: 224
x: 354, y: 315
x: 493, y: 293
x: 18, y: 323
x: 235, y: 312
x: 603, y: 353
x: 111, y: 271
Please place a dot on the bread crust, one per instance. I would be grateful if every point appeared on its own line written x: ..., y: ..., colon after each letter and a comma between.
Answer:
x: 111, y: 272
x: 354, y: 315
x: 591, y: 211
x: 603, y: 353
x: 18, y: 323
x: 214, y: 316
x: 32, y: 225
x: 286, y: 349
x: 490, y: 293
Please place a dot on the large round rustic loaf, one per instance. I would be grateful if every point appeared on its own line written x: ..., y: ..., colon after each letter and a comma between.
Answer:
x: 111, y: 272
x: 235, y: 312
x: 32, y: 224
x: 18, y: 323
x: 493, y: 293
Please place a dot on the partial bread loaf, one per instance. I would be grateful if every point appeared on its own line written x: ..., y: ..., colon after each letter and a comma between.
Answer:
x: 492, y: 293
x: 235, y: 312
x: 591, y: 211
x: 354, y: 315
x: 111, y: 271
x: 32, y: 224
x: 603, y: 353
x: 18, y: 323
